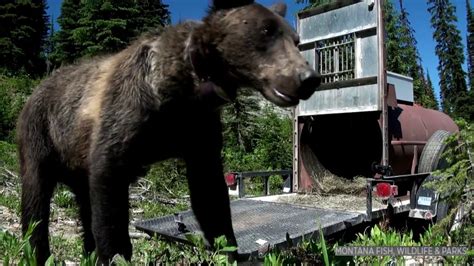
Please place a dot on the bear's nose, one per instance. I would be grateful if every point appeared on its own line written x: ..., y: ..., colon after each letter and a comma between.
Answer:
x: 310, y: 80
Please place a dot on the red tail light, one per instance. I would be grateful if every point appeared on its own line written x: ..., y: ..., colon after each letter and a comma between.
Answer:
x: 231, y: 179
x: 385, y: 190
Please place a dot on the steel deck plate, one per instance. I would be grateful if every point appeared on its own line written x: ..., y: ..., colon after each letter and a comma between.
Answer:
x: 258, y: 220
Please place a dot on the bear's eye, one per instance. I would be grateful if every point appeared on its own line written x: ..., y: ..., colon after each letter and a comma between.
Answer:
x: 270, y: 28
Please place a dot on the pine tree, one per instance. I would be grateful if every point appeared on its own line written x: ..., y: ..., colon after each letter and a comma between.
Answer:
x: 470, y: 44
x: 23, y: 32
x: 240, y: 121
x: 106, y: 26
x: 449, y: 50
x: 393, y: 44
x: 91, y: 27
x: 314, y: 3
x: 410, y: 56
x: 49, y: 46
x: 428, y: 97
x: 67, y: 47
x: 153, y: 15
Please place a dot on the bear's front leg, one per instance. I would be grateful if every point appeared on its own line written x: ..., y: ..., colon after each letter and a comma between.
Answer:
x: 208, y: 191
x: 109, y: 204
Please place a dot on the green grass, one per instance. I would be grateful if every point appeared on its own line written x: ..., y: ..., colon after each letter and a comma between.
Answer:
x: 151, y: 209
x: 66, y: 248
x: 12, y: 202
x: 17, y: 251
x: 8, y: 158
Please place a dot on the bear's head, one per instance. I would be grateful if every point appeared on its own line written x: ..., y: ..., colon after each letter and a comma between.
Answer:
x: 243, y: 44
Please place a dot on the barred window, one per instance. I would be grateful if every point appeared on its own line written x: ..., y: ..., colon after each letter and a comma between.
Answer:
x: 337, y: 58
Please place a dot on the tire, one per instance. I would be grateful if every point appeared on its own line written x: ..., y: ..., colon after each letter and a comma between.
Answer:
x: 430, y: 160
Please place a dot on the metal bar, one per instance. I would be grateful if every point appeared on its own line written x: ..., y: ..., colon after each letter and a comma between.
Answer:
x: 414, y: 162
x: 241, y: 186
x: 263, y: 173
x: 334, y: 44
x: 350, y: 62
x: 369, y: 201
x: 291, y: 183
x: 408, y: 142
x: 348, y: 83
x: 320, y: 62
x: 325, y: 56
x: 342, y: 51
x: 333, y: 60
x: 294, y: 178
x: 266, y: 185
x: 336, y: 61
x: 346, y: 58
x: 413, y: 195
x: 330, y: 58
x: 352, y: 53
x: 382, y: 83
x: 409, y: 176
x: 328, y: 62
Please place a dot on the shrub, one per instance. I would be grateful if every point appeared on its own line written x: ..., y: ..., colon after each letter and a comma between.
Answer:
x: 14, y: 92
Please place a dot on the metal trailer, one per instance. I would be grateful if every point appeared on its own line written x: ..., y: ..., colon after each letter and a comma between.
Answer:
x: 362, y: 122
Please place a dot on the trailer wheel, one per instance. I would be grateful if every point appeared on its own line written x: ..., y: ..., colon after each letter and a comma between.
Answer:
x: 431, y: 160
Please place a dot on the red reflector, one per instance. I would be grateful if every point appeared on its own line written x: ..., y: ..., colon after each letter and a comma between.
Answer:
x: 394, y: 190
x: 230, y: 179
x: 428, y: 215
x: 383, y: 190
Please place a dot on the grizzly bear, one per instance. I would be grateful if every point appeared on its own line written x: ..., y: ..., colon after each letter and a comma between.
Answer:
x: 97, y: 125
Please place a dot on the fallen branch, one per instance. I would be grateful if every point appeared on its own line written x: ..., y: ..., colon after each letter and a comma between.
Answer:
x: 9, y: 173
x: 137, y: 235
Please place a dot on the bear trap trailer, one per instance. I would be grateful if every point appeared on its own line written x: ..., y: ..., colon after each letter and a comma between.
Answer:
x: 362, y: 122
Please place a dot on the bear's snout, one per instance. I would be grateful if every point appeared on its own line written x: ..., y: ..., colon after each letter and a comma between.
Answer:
x: 309, y: 80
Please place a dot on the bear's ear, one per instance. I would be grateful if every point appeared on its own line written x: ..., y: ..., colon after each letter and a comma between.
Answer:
x: 226, y: 4
x: 279, y: 8
x: 199, y: 50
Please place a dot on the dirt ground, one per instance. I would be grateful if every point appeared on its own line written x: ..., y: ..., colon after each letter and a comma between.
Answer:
x: 63, y: 222
x: 60, y: 224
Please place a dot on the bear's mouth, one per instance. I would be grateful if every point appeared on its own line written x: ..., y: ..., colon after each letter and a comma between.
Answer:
x: 291, y: 100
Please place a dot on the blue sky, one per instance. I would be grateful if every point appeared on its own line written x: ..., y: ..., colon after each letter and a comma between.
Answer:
x: 417, y: 9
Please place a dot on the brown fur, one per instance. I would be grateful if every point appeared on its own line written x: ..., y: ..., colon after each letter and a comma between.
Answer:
x: 97, y: 125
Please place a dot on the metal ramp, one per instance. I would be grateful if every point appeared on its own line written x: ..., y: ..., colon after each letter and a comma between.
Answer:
x: 259, y: 224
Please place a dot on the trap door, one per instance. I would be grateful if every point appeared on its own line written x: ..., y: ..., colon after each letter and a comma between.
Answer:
x: 342, y: 39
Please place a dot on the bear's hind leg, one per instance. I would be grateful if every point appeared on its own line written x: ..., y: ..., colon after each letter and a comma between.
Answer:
x: 80, y: 188
x: 38, y: 183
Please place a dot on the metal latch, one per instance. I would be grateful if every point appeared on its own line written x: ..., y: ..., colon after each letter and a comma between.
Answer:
x: 178, y: 219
